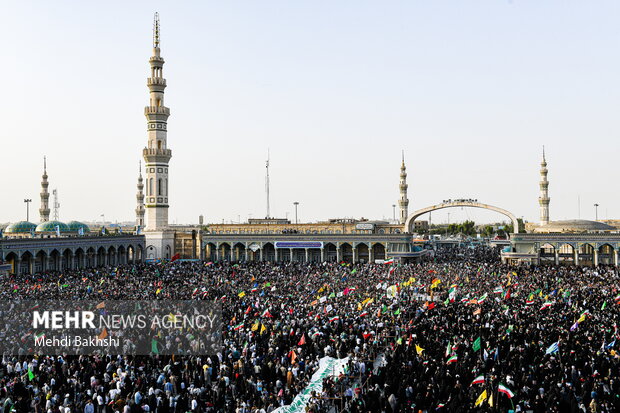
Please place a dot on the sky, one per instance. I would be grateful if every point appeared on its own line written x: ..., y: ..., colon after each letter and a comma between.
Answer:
x: 471, y: 91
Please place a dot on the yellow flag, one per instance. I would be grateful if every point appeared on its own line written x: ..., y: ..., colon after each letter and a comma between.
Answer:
x: 263, y: 329
x: 158, y: 291
x: 320, y: 290
x: 365, y: 301
x: 359, y: 307
x: 255, y: 326
x: 241, y: 294
x: 419, y: 350
x: 582, y: 318
x: 370, y: 302
x: 491, y: 400
x: 481, y: 398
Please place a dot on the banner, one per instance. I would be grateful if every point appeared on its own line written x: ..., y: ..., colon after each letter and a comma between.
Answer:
x: 328, y: 367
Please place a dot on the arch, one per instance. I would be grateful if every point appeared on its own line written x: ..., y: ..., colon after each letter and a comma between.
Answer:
x: 606, y: 254
x: 122, y: 257
x: 27, y: 261
x: 378, y: 250
x: 269, y: 252
x: 454, y: 204
x: 13, y: 259
x: 78, y: 258
x: 40, y: 262
x: 363, y: 252
x: 330, y: 252
x: 66, y: 259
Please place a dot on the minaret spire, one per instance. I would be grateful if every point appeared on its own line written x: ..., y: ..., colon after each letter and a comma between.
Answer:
x: 543, y: 199
x: 156, y: 154
x: 44, y: 211
x: 140, y: 199
x: 403, y: 202
x: 156, y: 31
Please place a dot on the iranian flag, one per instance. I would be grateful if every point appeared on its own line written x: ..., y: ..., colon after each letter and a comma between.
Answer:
x: 498, y: 290
x: 482, y: 299
x: 238, y: 327
x: 506, y: 391
x: 478, y: 380
x: 316, y: 333
x: 390, y: 261
x: 545, y: 305
x: 529, y: 302
x: 334, y: 318
x: 364, y: 313
x: 452, y: 359
x: 266, y: 313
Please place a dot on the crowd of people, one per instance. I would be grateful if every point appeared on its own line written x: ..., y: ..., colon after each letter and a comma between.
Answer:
x: 457, y: 333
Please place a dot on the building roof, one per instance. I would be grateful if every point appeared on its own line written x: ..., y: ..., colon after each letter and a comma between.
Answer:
x: 20, y: 227
x: 575, y: 225
x: 50, y: 226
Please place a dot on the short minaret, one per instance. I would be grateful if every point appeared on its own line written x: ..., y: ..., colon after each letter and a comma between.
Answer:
x: 403, y: 202
x: 44, y: 211
x: 543, y: 199
x: 156, y: 154
x: 140, y: 200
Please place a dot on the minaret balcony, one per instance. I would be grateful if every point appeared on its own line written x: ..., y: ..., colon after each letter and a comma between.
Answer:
x: 159, y: 81
x: 157, y: 110
x: 157, y: 155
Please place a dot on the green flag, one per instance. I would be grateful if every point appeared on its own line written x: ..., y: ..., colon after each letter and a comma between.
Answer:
x: 604, y: 305
x: 30, y: 375
x: 154, y: 348
x: 476, y: 345
x: 397, y: 312
x: 447, y: 301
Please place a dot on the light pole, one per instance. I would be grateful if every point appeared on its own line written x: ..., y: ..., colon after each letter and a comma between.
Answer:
x: 296, y: 204
x: 596, y: 212
x: 393, y: 212
x: 27, y: 201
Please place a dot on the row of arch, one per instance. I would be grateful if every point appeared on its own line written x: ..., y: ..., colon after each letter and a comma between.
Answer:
x: 59, y: 259
x: 578, y: 254
x: 335, y: 252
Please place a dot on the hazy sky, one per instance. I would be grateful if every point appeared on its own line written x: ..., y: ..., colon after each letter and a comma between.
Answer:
x: 471, y: 90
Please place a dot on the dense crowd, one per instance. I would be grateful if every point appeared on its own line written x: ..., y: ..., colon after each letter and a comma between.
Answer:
x: 441, y: 335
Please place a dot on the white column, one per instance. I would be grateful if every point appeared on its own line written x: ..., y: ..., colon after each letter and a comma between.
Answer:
x: 354, y: 251
x: 338, y: 252
x: 557, y: 257
x: 615, y: 253
x: 291, y: 254
x: 595, y: 258
x: 576, y: 255
x: 306, y: 254
x: 322, y: 254
x: 217, y: 251
x: 261, y: 251
x: 371, y: 254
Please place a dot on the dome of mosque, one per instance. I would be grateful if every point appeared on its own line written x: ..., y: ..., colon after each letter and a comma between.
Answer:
x: 575, y: 225
x: 74, y: 226
x: 21, y: 227
x: 50, y: 226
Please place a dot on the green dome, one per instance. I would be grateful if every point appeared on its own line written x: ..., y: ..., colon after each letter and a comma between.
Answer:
x: 50, y: 226
x: 74, y: 226
x: 21, y: 227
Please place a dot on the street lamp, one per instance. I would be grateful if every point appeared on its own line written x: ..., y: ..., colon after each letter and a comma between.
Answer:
x: 27, y: 201
x: 596, y: 212
x: 296, y: 204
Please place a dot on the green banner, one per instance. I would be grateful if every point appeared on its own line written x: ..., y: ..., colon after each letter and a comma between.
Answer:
x: 328, y: 366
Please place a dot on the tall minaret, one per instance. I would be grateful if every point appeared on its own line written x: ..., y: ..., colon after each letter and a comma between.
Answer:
x: 156, y: 155
x: 44, y: 211
x: 403, y: 202
x: 140, y: 199
x: 543, y: 199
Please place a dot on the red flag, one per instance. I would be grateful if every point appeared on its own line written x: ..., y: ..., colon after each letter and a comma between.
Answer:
x: 248, y: 310
x: 507, y: 294
x: 431, y: 306
x: 175, y: 257
x: 303, y: 340
x: 366, y: 335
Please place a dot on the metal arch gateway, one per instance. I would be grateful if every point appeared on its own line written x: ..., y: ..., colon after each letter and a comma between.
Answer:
x: 461, y: 203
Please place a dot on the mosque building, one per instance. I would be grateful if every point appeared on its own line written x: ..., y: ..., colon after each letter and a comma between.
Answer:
x: 27, y: 247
